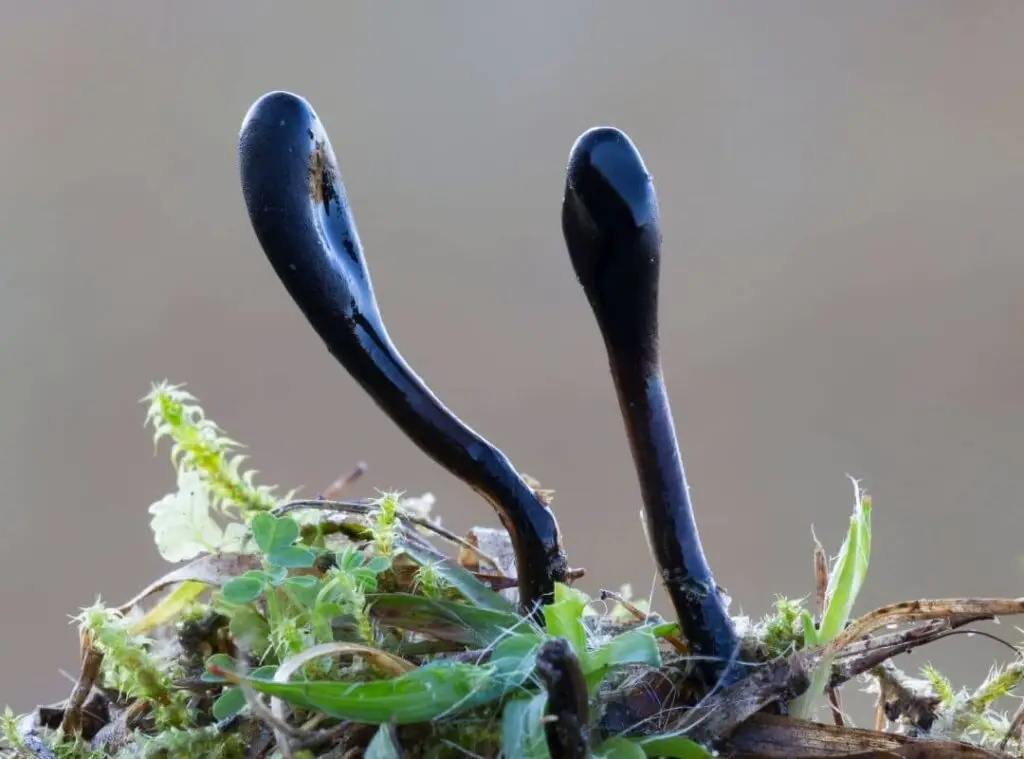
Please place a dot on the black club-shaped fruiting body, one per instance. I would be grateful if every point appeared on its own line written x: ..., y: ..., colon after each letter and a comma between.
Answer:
x: 299, y: 210
x: 612, y: 231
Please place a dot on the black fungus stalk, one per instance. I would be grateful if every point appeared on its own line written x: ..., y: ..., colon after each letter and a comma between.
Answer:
x: 612, y: 231
x: 298, y: 207
x: 568, y: 709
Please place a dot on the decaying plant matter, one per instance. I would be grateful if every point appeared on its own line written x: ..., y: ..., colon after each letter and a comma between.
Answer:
x: 338, y: 628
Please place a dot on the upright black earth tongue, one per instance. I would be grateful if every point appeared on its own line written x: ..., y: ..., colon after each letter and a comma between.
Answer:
x: 612, y: 231
x: 299, y: 210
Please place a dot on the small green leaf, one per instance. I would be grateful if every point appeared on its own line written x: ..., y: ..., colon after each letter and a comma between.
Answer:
x: 275, y: 575
x: 329, y: 611
x: 229, y: 703
x: 250, y: 630
x: 378, y: 564
x: 666, y: 630
x: 302, y: 581
x: 515, y: 656
x: 366, y: 580
x: 293, y: 557
x: 522, y: 728
x: 266, y: 671
x: 263, y: 526
x: 348, y: 559
x: 637, y: 646
x: 672, y: 747
x: 286, y: 532
x: 810, y: 631
x: 302, y: 590
x: 618, y: 748
x: 222, y: 661
x: 564, y: 618
x: 273, y: 533
x: 242, y: 590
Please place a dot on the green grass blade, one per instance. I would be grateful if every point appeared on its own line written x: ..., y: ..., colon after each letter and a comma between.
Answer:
x: 459, y: 578
x: 619, y: 748
x: 631, y: 647
x: 672, y: 747
x: 421, y: 695
x: 447, y: 620
x: 845, y: 581
x: 522, y: 728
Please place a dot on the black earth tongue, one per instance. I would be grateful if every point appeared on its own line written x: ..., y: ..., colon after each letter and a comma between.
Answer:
x: 612, y: 231
x: 300, y: 212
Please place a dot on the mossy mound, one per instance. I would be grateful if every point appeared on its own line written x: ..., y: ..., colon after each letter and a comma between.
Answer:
x: 333, y: 628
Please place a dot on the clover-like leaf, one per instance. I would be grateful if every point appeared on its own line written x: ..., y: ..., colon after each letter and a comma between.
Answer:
x: 229, y: 703
x: 273, y: 533
x: 220, y: 662
x: 274, y: 575
x: 303, y: 589
x: 242, y: 590
x: 292, y: 557
x: 378, y: 564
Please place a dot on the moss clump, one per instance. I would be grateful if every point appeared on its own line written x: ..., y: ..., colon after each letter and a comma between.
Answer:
x: 315, y: 628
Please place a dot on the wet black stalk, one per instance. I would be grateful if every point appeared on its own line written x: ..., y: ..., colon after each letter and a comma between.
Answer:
x: 611, y: 225
x: 299, y: 210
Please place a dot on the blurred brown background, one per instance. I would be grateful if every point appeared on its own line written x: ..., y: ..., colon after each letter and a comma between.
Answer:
x: 841, y: 192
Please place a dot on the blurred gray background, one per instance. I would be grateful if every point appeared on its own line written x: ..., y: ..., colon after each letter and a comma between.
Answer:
x: 840, y: 188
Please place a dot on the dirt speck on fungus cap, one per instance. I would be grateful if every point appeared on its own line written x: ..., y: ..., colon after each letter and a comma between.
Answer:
x: 321, y: 176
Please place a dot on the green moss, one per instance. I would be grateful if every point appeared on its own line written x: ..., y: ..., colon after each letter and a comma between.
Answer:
x: 364, y: 611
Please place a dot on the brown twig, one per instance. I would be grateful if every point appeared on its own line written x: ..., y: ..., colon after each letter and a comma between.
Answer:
x: 926, y: 609
x: 1016, y: 726
x: 820, y: 559
x: 904, y: 697
x: 91, y: 661
x: 720, y: 713
x: 676, y: 642
x: 835, y: 705
x: 767, y: 736
x: 723, y: 710
x: 363, y: 509
x: 336, y: 487
x: 860, y: 657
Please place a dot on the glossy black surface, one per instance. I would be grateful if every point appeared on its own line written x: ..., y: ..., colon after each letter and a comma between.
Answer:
x: 298, y: 207
x: 612, y: 231
x: 568, y: 706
